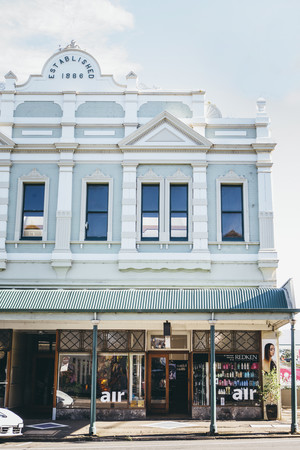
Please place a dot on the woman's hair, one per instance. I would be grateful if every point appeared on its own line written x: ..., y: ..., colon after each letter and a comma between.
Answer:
x: 267, y: 350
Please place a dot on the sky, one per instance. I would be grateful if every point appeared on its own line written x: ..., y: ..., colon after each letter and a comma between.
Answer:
x: 235, y: 50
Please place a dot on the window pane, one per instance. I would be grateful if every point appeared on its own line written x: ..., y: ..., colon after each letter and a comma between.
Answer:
x: 232, y: 226
x: 112, y: 384
x: 33, y: 224
x: 150, y: 200
x: 137, y: 393
x: 74, y: 381
x: 150, y: 225
x: 97, y: 197
x: 179, y: 225
x: 97, y: 225
x: 178, y: 195
x: 232, y: 198
x: 34, y: 197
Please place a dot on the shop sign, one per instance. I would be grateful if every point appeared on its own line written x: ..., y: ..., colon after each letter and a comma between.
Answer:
x: 114, y: 397
x: 239, y: 357
x: 243, y: 394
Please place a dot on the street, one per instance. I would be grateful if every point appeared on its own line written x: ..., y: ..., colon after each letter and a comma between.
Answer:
x: 203, y: 444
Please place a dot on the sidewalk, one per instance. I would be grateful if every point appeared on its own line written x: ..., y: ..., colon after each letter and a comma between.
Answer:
x: 159, y: 429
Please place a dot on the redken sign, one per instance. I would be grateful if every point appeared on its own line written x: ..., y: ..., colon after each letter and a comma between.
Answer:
x: 71, y: 67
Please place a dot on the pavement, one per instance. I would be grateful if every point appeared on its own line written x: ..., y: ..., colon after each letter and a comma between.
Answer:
x: 159, y: 429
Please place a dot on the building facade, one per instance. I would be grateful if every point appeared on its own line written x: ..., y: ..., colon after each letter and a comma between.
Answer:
x: 147, y: 214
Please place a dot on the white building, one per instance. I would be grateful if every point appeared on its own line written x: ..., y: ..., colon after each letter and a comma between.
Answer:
x: 136, y: 207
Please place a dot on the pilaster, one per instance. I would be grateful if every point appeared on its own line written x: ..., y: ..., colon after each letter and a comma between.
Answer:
x: 128, y: 233
x: 131, y: 104
x: 199, y: 200
x: 68, y: 121
x: 267, y: 256
x: 62, y: 256
x: 5, y: 165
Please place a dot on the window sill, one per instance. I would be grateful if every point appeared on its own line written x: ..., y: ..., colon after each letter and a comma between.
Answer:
x: 238, y: 243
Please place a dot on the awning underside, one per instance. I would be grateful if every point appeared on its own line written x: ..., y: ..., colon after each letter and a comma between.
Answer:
x: 146, y: 300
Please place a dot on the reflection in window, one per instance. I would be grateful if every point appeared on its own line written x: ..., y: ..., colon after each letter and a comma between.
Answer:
x: 232, y: 212
x: 33, y: 211
x: 112, y: 379
x: 74, y: 381
x: 178, y: 212
x: 150, y: 211
x: 97, y: 211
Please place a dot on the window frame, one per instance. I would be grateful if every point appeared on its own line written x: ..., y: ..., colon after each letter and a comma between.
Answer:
x: 34, y: 177
x: 231, y: 178
x: 150, y: 178
x: 179, y: 178
x: 240, y: 212
x: 96, y: 178
x: 185, y: 238
x: 143, y: 211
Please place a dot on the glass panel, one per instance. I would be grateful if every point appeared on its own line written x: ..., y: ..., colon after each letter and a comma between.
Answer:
x: 232, y: 226
x: 33, y: 224
x: 97, y: 226
x: 137, y: 381
x: 237, y: 379
x: 97, y: 198
x: 150, y: 225
x: 232, y: 198
x: 150, y: 200
x: 178, y: 225
x: 200, y: 379
x: 178, y: 195
x: 158, y: 380
x: 112, y: 380
x: 176, y: 341
x: 34, y: 197
x: 178, y: 385
x: 74, y: 381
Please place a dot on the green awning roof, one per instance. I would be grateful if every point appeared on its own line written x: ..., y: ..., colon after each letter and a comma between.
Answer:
x: 146, y: 300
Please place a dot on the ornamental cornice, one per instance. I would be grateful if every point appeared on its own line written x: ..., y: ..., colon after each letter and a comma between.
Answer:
x: 263, y: 147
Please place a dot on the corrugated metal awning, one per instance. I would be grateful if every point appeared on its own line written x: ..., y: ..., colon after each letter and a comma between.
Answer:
x: 146, y: 300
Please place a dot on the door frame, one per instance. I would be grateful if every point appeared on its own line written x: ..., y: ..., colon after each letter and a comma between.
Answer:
x: 166, y: 354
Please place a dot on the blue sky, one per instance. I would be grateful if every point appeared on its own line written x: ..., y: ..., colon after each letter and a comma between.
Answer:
x: 236, y: 50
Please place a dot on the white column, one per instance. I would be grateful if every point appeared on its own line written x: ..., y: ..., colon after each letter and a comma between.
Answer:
x: 267, y: 257
x: 5, y: 165
x: 200, y: 217
x: 62, y: 256
x: 128, y: 230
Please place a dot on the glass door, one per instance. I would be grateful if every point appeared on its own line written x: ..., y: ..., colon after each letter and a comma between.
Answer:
x: 158, y: 379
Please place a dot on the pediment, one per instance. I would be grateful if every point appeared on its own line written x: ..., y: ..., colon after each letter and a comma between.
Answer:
x: 5, y: 142
x: 165, y: 131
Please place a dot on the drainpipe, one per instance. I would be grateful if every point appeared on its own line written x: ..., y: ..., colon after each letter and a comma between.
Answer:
x: 213, y: 407
x: 294, y: 426
x: 92, y: 429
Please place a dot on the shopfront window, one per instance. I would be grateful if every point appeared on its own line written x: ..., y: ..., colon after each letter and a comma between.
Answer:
x: 200, y: 379
x: 74, y: 381
x: 112, y: 381
x: 137, y: 381
x: 237, y: 379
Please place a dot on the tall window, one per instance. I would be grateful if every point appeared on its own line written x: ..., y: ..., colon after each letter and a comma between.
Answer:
x: 150, y: 212
x: 178, y: 212
x: 33, y: 211
x: 96, y: 212
x: 232, y: 212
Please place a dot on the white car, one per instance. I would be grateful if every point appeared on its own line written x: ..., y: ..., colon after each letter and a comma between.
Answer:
x: 10, y: 423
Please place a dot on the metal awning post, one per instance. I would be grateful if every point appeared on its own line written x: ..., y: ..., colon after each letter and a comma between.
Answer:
x: 92, y: 429
x: 294, y: 425
x: 213, y: 406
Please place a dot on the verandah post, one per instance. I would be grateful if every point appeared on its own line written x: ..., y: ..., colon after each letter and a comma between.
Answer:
x: 213, y: 407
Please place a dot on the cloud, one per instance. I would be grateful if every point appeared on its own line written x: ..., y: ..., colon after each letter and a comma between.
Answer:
x: 32, y: 30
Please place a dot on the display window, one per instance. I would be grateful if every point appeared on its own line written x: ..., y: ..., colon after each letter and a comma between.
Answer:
x: 237, y: 379
x: 200, y: 379
x: 74, y: 381
x: 121, y: 381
